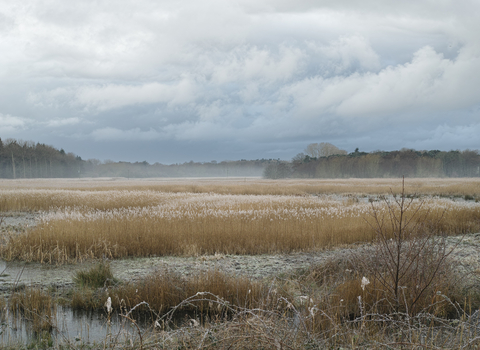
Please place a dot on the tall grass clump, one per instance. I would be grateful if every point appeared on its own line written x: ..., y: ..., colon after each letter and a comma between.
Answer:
x: 35, y: 305
x: 99, y: 275
x: 163, y: 290
x: 191, y: 225
x: 263, y: 329
x: 333, y: 308
x: 405, y: 275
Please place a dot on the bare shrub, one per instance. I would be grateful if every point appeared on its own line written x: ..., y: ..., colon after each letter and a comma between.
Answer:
x: 408, y: 262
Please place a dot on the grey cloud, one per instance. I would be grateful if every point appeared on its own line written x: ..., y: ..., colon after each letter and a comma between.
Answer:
x: 57, y: 123
x: 9, y: 123
x: 259, y: 73
x: 116, y: 96
x: 428, y: 83
x: 115, y: 134
x: 461, y: 136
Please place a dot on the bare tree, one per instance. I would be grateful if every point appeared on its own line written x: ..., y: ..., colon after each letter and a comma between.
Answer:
x: 323, y: 149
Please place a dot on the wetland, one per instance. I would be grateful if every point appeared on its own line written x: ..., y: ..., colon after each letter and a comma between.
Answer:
x: 247, y: 238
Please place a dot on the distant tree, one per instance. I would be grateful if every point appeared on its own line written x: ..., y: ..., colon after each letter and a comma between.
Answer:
x: 298, y: 160
x: 323, y: 149
x: 277, y: 170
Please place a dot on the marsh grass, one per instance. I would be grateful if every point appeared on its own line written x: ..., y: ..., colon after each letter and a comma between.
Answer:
x: 316, y: 308
x: 99, y: 275
x: 322, y: 307
x: 319, y: 308
x: 197, y: 224
x: 35, y: 305
x: 123, y: 219
x: 258, y: 329
x: 41, y: 194
x: 163, y: 290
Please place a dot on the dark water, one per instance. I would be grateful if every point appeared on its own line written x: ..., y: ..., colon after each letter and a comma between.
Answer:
x: 73, y: 327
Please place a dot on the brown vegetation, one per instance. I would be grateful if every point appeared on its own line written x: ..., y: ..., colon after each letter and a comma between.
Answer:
x: 398, y: 292
x: 35, y: 305
x: 119, y: 223
x: 238, y: 186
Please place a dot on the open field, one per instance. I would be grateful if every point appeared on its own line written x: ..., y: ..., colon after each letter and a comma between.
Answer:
x: 325, y: 304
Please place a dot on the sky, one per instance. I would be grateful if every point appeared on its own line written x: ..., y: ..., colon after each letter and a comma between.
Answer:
x: 174, y: 81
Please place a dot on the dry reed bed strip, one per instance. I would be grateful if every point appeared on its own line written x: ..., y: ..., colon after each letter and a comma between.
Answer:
x: 43, y: 200
x: 244, y: 186
x: 142, y: 194
x: 193, y: 224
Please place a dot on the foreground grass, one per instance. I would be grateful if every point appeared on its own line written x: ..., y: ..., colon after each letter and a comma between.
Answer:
x: 316, y: 308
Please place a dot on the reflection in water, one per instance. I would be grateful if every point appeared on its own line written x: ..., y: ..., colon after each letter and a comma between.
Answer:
x: 71, y: 326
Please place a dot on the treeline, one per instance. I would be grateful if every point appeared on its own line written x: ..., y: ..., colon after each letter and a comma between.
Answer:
x: 27, y: 159
x: 406, y: 162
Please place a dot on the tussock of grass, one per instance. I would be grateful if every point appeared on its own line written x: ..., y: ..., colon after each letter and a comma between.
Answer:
x: 87, y: 299
x: 100, y: 275
x: 257, y: 329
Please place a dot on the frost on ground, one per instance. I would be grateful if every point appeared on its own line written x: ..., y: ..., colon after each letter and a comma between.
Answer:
x: 465, y: 257
x: 17, y: 221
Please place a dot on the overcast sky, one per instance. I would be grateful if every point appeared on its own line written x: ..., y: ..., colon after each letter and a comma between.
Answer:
x: 173, y: 81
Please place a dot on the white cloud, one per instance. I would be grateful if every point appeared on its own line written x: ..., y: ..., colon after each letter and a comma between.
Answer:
x: 116, y: 96
x: 252, y: 63
x: 428, y: 83
x: 349, y: 52
x: 9, y: 123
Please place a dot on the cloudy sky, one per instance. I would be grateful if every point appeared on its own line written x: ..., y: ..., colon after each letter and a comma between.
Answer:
x: 173, y: 81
